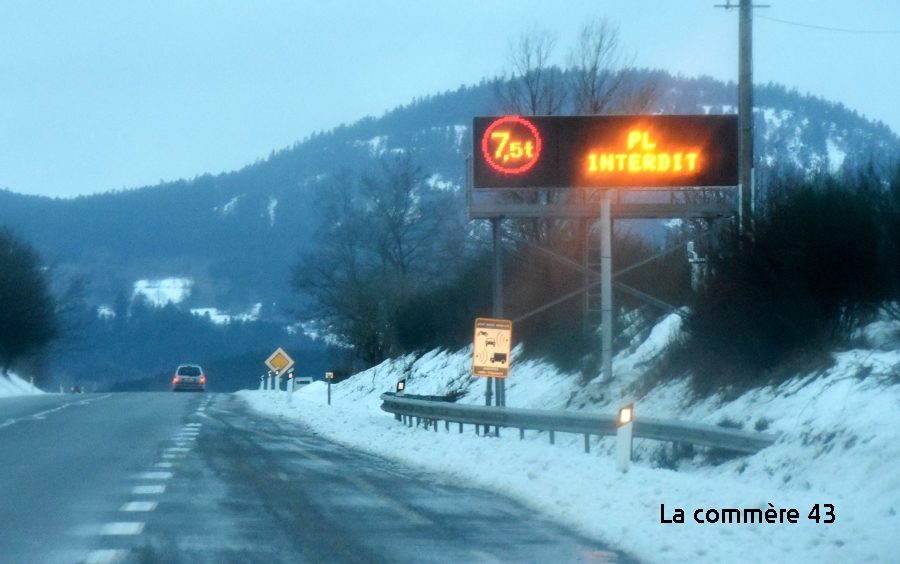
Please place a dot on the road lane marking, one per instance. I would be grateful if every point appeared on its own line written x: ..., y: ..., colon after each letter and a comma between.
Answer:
x: 155, y: 476
x: 163, y: 465
x: 43, y: 414
x: 104, y: 557
x: 145, y: 490
x: 139, y: 506
x: 194, y: 425
x: 129, y: 528
x: 178, y: 449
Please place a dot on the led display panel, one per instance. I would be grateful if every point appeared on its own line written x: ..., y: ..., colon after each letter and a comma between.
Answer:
x: 644, y: 151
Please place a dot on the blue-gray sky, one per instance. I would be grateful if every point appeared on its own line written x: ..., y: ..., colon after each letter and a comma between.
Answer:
x: 97, y: 96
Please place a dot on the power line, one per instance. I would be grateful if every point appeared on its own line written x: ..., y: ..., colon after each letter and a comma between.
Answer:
x: 823, y: 28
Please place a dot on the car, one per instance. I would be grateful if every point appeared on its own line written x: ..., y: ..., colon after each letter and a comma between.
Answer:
x: 189, y: 377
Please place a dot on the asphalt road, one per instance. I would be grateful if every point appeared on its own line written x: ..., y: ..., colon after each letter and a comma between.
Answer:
x: 193, y: 478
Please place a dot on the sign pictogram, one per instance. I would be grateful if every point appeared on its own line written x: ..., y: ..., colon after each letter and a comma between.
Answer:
x: 511, y: 145
x: 490, y: 354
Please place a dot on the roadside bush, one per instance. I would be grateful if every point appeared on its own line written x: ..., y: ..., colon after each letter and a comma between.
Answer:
x: 810, y: 274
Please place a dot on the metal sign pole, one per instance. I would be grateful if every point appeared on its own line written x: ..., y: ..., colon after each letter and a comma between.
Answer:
x: 606, y: 318
x: 499, y: 383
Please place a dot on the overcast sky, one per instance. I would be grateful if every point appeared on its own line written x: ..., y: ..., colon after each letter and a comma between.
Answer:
x: 96, y: 96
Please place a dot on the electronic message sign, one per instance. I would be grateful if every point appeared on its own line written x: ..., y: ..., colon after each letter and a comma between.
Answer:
x: 605, y: 151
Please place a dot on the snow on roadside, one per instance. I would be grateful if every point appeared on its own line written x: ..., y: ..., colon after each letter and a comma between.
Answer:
x: 12, y: 385
x: 839, y: 445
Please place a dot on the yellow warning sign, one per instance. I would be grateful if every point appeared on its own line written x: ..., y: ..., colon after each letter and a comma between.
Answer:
x: 490, y: 355
x: 279, y: 361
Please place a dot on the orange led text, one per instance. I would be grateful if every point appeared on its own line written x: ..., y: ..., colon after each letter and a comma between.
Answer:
x: 642, y: 156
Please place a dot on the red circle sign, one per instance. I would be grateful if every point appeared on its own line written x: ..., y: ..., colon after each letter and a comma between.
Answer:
x: 511, y: 145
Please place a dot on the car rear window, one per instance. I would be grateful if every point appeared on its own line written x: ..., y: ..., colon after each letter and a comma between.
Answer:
x: 188, y: 370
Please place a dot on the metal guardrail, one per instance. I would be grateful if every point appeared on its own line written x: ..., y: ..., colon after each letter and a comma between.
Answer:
x: 736, y: 440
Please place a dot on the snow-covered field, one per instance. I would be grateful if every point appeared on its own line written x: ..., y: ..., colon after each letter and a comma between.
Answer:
x: 839, y: 445
x: 12, y: 385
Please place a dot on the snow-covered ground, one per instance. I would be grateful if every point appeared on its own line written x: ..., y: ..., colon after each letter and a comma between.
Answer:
x: 839, y: 445
x: 12, y: 385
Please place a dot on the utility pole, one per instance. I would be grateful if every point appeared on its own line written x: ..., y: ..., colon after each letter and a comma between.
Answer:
x: 745, y: 109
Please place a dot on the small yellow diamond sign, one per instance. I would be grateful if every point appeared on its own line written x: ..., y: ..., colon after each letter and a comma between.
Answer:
x: 279, y: 361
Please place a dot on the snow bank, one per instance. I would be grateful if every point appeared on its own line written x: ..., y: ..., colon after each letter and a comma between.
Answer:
x: 839, y: 445
x: 12, y: 385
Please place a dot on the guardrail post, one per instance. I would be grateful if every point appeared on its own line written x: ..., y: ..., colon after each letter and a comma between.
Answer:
x: 460, y: 428
x: 587, y: 443
x: 447, y: 426
x: 521, y: 434
x: 552, y: 438
x: 435, y: 425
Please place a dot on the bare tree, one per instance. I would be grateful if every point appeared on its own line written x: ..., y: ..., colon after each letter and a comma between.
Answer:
x: 382, y: 238
x: 600, y: 80
x: 534, y: 86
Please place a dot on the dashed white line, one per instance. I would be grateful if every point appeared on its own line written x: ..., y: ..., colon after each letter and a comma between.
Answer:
x: 104, y: 557
x: 130, y: 528
x: 139, y: 506
x: 145, y: 490
x: 178, y: 449
x: 155, y: 476
x: 163, y: 465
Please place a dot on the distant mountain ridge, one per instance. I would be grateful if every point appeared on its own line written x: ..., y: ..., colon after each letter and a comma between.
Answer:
x: 236, y: 235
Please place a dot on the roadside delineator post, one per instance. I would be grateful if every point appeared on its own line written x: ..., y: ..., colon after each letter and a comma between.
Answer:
x: 271, y: 381
x: 290, y: 385
x: 277, y: 381
x: 624, y: 424
x: 262, y: 382
x: 329, y: 376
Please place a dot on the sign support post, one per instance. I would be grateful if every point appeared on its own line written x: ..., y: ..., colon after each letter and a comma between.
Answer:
x: 606, y: 317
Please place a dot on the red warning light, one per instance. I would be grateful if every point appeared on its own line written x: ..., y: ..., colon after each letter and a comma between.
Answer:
x: 511, y: 145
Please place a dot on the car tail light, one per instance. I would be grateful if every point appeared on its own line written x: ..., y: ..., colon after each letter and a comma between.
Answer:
x: 175, y: 380
x: 203, y: 379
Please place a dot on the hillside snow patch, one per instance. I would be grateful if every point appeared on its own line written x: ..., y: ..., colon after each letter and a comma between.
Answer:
x: 12, y: 385
x: 839, y: 444
x: 163, y: 291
